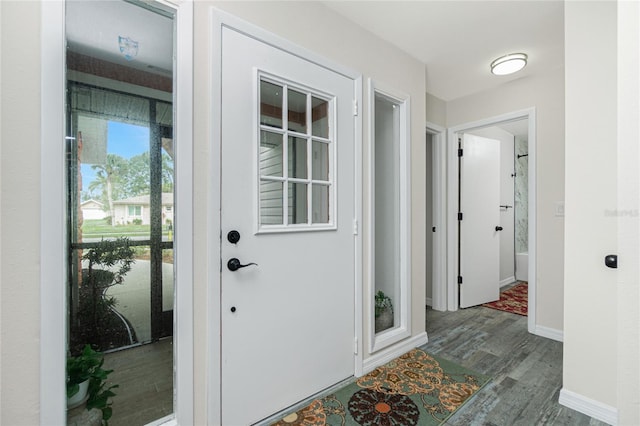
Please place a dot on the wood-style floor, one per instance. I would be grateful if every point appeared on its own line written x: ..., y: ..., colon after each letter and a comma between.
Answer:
x: 526, y: 369
x: 145, y: 378
x: 526, y: 372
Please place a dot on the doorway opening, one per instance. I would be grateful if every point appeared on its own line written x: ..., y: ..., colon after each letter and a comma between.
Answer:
x: 436, y: 230
x: 518, y: 126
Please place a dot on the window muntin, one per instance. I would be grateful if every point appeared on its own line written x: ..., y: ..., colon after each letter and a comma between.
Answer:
x: 300, y: 195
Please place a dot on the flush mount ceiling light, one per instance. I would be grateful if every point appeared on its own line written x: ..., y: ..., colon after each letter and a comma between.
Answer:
x: 509, y: 64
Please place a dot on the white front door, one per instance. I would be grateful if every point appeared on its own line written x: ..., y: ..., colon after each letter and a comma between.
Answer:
x: 480, y: 225
x: 288, y: 191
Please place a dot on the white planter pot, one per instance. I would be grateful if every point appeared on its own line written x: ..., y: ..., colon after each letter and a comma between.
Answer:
x: 80, y: 397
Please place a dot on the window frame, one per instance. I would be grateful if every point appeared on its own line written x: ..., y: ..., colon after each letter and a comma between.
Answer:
x: 402, y: 322
x: 53, y: 272
x: 331, y: 141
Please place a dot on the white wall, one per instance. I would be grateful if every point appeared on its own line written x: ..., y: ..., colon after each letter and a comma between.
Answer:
x: 507, y: 235
x: 628, y: 306
x: 546, y: 94
x: 602, y: 158
x: 591, y: 156
x: 20, y: 214
x: 436, y: 110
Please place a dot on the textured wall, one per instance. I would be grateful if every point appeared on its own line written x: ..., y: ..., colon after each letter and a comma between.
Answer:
x: 522, y: 195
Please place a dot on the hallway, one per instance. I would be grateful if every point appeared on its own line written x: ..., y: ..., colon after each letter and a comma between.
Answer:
x: 526, y: 369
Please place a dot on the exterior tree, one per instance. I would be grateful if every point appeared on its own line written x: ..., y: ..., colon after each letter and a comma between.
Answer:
x: 136, y: 181
x: 107, y: 176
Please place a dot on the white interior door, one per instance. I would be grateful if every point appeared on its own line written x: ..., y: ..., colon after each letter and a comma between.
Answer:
x: 288, y: 190
x: 479, y: 229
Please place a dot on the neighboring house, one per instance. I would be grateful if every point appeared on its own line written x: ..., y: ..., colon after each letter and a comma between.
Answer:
x: 93, y: 210
x: 130, y: 209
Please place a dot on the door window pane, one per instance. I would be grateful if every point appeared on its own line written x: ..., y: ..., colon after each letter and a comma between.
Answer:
x: 320, y: 165
x: 297, y: 105
x: 270, y: 154
x: 320, y: 196
x: 270, y: 104
x: 320, y: 117
x: 297, y: 203
x: 271, y: 212
x: 297, y: 157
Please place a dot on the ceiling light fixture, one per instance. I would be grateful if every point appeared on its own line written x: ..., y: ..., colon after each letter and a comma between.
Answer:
x: 509, y: 64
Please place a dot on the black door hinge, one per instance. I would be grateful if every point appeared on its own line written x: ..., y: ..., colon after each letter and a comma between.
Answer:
x: 460, y: 216
x: 459, y: 279
x: 460, y: 152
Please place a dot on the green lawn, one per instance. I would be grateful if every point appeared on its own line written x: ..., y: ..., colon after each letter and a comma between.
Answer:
x: 98, y: 228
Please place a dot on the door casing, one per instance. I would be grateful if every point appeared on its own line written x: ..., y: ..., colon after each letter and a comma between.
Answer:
x: 452, y: 208
x: 218, y: 20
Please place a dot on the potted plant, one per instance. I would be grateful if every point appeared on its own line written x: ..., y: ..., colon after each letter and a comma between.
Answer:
x: 86, y: 381
x: 383, y: 312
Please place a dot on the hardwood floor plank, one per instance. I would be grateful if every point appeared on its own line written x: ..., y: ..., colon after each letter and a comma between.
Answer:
x: 145, y: 378
x: 526, y: 370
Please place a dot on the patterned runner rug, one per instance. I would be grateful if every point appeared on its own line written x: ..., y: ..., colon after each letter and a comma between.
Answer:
x: 414, y: 389
x: 513, y: 300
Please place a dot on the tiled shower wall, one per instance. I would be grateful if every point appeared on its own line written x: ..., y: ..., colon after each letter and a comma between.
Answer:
x: 522, y: 195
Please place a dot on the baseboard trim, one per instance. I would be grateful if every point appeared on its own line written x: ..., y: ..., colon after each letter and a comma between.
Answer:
x: 429, y: 301
x: 507, y: 281
x: 394, y: 351
x: 592, y: 408
x: 549, y: 333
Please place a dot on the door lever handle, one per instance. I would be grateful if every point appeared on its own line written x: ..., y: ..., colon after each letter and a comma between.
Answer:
x: 234, y: 264
x: 499, y: 228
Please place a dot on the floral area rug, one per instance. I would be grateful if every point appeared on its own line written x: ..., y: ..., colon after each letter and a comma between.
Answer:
x: 514, y: 300
x: 414, y: 389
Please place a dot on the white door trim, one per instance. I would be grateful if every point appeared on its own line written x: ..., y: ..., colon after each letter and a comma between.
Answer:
x: 452, y: 229
x: 53, y: 294
x: 438, y: 169
x: 53, y: 216
x: 220, y: 19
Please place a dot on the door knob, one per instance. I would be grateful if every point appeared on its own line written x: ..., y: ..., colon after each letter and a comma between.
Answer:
x: 611, y: 260
x: 234, y: 264
x: 498, y: 228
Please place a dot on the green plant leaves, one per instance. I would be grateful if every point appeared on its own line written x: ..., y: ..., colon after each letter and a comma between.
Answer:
x: 88, y: 365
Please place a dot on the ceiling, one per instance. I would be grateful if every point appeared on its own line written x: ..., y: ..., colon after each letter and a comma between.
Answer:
x: 457, y: 40
x: 94, y: 28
